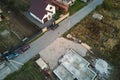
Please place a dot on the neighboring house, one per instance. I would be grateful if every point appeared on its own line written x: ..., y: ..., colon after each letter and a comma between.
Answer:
x: 59, y: 6
x: 66, y: 2
x: 42, y: 10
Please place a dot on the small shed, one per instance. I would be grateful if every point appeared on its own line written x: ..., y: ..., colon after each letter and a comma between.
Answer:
x: 41, y: 63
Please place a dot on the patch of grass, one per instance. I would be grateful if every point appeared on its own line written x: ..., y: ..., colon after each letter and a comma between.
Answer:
x: 30, y: 71
x: 77, y: 6
x: 21, y: 5
x: 58, y: 13
x: 3, y: 25
x: 9, y: 40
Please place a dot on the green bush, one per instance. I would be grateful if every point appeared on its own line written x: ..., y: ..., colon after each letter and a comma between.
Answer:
x: 107, y: 4
x: 17, y: 5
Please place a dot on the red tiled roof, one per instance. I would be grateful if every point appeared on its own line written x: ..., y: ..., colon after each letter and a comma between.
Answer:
x: 38, y: 7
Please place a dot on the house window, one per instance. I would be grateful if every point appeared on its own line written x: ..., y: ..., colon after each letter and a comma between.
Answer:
x: 45, y: 19
x: 50, y: 7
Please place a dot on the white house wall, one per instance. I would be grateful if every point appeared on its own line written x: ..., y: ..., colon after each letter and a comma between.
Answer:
x: 49, y: 13
x: 52, y: 10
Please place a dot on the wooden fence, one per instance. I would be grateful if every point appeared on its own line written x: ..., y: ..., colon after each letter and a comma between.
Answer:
x: 62, y: 18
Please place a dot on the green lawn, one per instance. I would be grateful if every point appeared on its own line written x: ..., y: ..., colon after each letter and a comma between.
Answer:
x: 77, y: 6
x: 58, y: 13
x: 30, y: 71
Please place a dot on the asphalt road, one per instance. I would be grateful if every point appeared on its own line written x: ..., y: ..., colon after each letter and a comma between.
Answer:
x: 50, y: 36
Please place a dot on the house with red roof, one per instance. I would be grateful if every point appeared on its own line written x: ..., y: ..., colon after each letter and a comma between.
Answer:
x: 66, y: 2
x: 42, y: 10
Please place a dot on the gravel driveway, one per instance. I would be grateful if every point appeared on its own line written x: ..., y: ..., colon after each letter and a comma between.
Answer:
x: 55, y: 50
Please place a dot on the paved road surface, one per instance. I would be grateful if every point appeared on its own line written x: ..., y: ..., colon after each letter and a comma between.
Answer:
x: 50, y: 36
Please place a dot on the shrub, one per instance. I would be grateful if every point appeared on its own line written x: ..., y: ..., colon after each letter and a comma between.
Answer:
x: 107, y: 4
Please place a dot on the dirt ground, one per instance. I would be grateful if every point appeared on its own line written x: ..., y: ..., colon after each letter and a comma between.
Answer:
x: 16, y: 24
x: 58, y: 48
x: 21, y: 26
x: 103, y: 35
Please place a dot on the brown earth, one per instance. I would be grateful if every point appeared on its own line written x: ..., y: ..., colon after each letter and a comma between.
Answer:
x: 21, y: 26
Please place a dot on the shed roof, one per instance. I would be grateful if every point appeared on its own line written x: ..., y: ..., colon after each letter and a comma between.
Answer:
x: 41, y: 63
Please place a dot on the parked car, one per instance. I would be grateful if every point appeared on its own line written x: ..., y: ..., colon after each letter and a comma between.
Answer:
x: 24, y: 48
x: 19, y: 50
x: 53, y: 27
x: 0, y: 54
x: 12, y: 55
x: 4, y: 54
